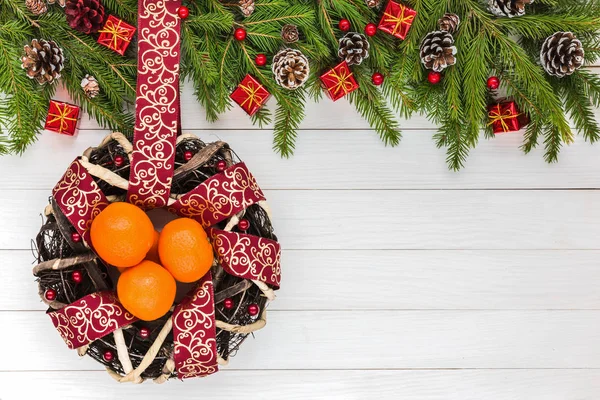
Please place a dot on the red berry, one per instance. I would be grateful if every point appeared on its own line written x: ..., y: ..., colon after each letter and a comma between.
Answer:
x: 183, y: 12
x: 260, y: 60
x: 244, y: 224
x: 344, y: 25
x: 108, y: 356
x: 75, y: 237
x: 493, y: 83
x: 377, y: 78
x: 253, y: 309
x: 77, y: 276
x: 144, y: 333
x: 434, y: 77
x: 188, y: 155
x: 228, y: 303
x: 221, y: 166
x: 50, y: 294
x: 240, y: 34
x: 370, y: 29
x: 119, y: 160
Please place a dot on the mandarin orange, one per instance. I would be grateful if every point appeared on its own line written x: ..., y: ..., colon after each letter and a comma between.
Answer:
x: 147, y: 290
x: 122, y: 234
x: 184, y: 250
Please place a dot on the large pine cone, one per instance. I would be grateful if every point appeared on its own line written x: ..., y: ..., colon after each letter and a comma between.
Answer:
x: 508, y: 8
x: 562, y: 54
x: 85, y: 16
x: 36, y: 7
x: 449, y: 22
x: 43, y: 60
x: 438, y: 51
x: 290, y: 68
x: 354, y: 48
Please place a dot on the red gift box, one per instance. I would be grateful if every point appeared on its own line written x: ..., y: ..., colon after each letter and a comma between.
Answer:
x: 62, y: 118
x: 506, y: 117
x: 339, y: 81
x: 250, y: 94
x: 397, y: 19
x: 116, y: 34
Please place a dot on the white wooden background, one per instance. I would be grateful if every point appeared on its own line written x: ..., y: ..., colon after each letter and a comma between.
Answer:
x: 401, y: 280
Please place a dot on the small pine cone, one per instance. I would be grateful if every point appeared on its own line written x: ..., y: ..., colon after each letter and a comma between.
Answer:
x: 61, y: 3
x: 85, y: 16
x: 438, y: 51
x: 290, y: 68
x: 90, y: 86
x: 36, y: 7
x: 43, y: 61
x: 354, y: 48
x: 449, y: 22
x: 562, y: 54
x: 373, y: 3
x: 247, y: 7
x: 508, y: 8
x: 289, y: 33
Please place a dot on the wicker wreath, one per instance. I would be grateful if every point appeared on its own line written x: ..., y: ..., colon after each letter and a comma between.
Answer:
x: 68, y: 270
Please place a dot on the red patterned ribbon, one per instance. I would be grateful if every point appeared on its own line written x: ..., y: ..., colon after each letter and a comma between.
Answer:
x: 220, y: 196
x: 248, y: 256
x: 157, y: 103
x: 79, y: 198
x: 194, y: 332
x: 89, y: 318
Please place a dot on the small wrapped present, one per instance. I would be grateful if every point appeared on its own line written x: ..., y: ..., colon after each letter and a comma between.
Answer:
x: 250, y: 94
x: 397, y: 19
x: 506, y: 117
x: 339, y: 81
x: 62, y: 118
x: 116, y: 34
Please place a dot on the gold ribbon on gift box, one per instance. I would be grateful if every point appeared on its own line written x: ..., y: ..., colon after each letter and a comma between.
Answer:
x: 253, y: 95
x: 497, y: 115
x: 116, y: 32
x: 343, y: 81
x: 400, y: 20
x: 62, y: 116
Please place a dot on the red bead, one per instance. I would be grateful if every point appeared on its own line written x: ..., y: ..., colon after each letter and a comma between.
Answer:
x: 228, y: 303
x: 50, y: 294
x: 108, y: 356
x: 493, y: 83
x: 119, y: 160
x: 240, y: 34
x: 77, y: 276
x: 377, y: 78
x: 253, y: 309
x: 144, y: 333
x: 75, y: 237
x: 260, y: 60
x: 244, y: 224
x: 434, y: 77
x: 370, y: 29
x: 183, y: 12
x: 221, y: 166
x: 188, y: 155
x: 344, y: 25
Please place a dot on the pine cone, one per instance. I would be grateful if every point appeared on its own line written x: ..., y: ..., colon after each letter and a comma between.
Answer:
x: 438, y: 51
x: 373, y: 3
x: 354, y: 48
x: 43, y: 60
x: 289, y: 33
x: 90, y: 86
x: 61, y: 3
x: 290, y: 68
x: 562, y: 54
x: 247, y: 7
x: 36, y: 7
x: 449, y: 22
x: 85, y: 16
x: 508, y: 8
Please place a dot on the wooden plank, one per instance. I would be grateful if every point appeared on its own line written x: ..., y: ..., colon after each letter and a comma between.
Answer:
x: 317, y: 385
x: 362, y: 163
x: 405, y: 280
x: 367, y: 339
x: 414, y: 219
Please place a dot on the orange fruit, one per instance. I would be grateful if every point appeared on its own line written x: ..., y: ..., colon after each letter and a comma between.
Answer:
x: 147, y: 290
x: 153, y: 252
x: 184, y: 250
x: 122, y: 234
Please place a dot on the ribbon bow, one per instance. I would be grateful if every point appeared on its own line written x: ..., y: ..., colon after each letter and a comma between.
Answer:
x: 496, y: 115
x: 400, y: 20
x: 253, y: 95
x: 343, y: 80
x: 116, y: 32
x: 62, y: 115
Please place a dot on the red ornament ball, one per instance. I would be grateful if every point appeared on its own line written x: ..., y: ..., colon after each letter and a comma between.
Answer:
x: 244, y: 224
x: 493, y: 82
x: 144, y: 332
x: 221, y: 166
x: 260, y: 60
x: 344, y: 25
x: 240, y: 34
x: 377, y: 78
x: 108, y: 356
x: 75, y: 237
x: 50, y: 294
x: 434, y: 77
x: 370, y: 29
x: 183, y: 12
x: 77, y: 276
x: 119, y: 160
x: 188, y: 155
x: 228, y: 303
x: 253, y: 309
